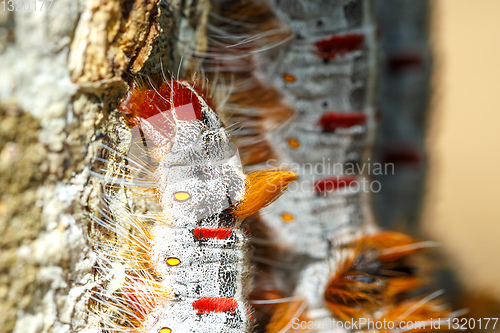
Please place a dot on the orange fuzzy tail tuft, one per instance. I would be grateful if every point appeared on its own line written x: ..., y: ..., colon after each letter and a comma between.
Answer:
x: 262, y: 188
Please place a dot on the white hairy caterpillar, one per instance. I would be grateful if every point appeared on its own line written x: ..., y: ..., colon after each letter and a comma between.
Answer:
x: 184, y: 269
x: 327, y: 72
x: 301, y: 223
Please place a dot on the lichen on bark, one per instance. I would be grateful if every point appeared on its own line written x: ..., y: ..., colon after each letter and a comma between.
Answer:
x: 63, y: 73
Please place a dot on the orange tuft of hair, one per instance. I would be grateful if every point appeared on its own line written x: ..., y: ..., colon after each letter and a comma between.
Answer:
x: 418, y: 311
x: 261, y: 189
x: 376, y: 271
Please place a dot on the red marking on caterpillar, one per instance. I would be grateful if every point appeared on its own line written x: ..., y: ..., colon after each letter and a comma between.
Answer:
x: 212, y: 233
x: 339, y: 45
x: 332, y: 120
x: 215, y: 304
x: 332, y: 184
x: 404, y: 60
x: 403, y: 155
x: 363, y: 290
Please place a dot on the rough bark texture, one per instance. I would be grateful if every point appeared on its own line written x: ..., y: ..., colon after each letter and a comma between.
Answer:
x: 62, y: 74
x: 403, y: 97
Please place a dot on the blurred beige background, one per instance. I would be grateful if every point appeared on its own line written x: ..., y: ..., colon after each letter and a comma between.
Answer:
x: 463, y: 202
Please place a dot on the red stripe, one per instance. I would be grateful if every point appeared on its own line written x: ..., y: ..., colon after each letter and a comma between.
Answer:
x: 215, y: 304
x: 335, y: 45
x: 333, y: 120
x: 333, y: 183
x: 211, y: 233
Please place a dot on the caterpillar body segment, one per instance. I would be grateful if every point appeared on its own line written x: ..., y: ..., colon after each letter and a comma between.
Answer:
x: 186, y: 267
x: 324, y: 76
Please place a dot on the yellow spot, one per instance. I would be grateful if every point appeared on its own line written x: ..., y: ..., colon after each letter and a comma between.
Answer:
x: 172, y: 261
x: 288, y: 78
x: 287, y: 217
x: 165, y: 330
x: 293, y: 143
x: 181, y: 196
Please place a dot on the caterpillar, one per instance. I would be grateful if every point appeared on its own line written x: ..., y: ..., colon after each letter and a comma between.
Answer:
x: 304, y: 226
x: 185, y: 268
x: 132, y: 291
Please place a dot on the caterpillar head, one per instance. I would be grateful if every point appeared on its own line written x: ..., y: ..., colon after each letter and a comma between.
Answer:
x: 203, y: 315
x: 196, y: 166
